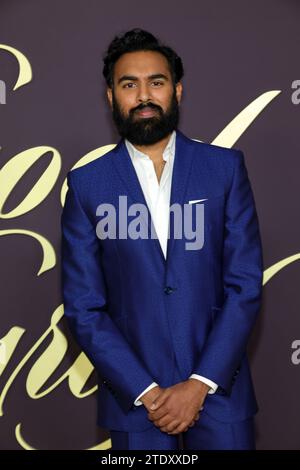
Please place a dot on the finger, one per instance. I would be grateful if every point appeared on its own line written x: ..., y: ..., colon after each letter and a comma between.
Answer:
x: 191, y: 424
x: 178, y: 429
x: 159, y: 401
x: 157, y: 414
x: 170, y: 426
x: 174, y: 431
x: 165, y: 421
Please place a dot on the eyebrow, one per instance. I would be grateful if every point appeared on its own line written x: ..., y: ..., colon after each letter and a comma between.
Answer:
x: 133, y: 78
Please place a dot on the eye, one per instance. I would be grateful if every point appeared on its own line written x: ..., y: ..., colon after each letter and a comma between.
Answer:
x: 126, y: 85
x: 158, y: 83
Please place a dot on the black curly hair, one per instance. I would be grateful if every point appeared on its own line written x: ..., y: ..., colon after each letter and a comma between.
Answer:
x: 139, y: 40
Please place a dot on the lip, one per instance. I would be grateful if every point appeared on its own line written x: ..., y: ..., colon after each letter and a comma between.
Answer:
x: 146, y: 112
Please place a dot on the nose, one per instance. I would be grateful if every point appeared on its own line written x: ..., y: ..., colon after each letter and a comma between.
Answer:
x: 144, y: 93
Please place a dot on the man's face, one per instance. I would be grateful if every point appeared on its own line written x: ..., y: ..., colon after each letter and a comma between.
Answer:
x: 143, y: 99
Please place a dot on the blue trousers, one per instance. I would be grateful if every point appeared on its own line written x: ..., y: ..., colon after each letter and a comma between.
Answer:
x: 206, y: 434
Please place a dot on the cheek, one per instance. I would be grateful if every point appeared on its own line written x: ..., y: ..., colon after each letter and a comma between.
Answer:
x: 126, y: 101
x: 127, y: 97
x: 163, y: 98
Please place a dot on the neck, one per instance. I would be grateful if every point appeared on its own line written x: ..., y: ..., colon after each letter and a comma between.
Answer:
x: 155, y: 151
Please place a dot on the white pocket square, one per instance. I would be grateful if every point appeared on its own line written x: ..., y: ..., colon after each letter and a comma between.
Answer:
x: 197, y: 200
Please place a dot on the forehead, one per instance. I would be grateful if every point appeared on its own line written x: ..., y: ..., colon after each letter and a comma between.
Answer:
x: 141, y: 63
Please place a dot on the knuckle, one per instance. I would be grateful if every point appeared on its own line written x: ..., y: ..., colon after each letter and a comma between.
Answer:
x: 183, y: 426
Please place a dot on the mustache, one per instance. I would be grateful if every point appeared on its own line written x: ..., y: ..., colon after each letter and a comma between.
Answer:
x: 148, y: 105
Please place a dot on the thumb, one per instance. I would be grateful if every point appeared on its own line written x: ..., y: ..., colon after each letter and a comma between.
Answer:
x: 154, y: 406
x: 158, y: 402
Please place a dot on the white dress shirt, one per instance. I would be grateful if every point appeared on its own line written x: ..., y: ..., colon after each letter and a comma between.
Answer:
x: 157, y: 195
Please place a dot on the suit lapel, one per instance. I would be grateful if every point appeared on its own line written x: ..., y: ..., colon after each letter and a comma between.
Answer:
x: 127, y: 173
x: 181, y: 171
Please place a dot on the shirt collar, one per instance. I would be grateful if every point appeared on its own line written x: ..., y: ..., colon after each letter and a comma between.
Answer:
x: 167, y: 153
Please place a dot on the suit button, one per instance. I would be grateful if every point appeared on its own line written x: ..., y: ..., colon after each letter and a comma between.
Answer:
x: 168, y: 290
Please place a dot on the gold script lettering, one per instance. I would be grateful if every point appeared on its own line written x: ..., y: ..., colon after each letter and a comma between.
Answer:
x: 14, y: 169
x: 48, y: 362
x: 25, y: 71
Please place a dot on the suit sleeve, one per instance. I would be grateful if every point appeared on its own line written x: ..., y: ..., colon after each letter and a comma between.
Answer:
x: 242, y: 279
x: 85, y: 305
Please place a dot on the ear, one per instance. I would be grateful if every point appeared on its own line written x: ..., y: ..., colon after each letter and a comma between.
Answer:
x: 179, y: 90
x: 109, y: 95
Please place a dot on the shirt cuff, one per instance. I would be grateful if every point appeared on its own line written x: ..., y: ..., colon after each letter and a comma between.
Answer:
x: 213, y: 386
x: 137, y: 402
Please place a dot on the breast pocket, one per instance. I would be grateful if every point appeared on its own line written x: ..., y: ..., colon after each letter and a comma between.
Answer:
x: 211, y: 214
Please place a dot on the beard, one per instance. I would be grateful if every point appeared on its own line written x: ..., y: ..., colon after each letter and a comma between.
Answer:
x: 146, y: 131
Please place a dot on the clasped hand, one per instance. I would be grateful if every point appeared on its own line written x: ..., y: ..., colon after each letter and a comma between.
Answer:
x: 176, y: 408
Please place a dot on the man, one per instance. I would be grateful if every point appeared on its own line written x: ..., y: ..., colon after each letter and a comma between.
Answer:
x: 164, y: 322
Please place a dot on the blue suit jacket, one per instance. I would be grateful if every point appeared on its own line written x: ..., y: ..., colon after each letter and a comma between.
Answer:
x: 135, y: 314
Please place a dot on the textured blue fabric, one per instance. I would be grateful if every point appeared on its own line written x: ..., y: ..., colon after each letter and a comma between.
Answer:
x: 209, y: 434
x: 136, y: 314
